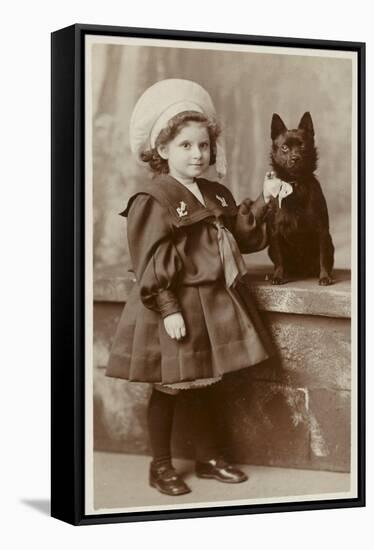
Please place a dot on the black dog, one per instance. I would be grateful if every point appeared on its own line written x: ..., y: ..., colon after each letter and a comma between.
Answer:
x: 300, y: 244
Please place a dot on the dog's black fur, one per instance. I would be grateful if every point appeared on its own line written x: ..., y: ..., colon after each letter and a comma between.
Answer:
x: 300, y: 243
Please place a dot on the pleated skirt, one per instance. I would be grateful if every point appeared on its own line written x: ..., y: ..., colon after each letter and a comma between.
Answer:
x: 224, y: 334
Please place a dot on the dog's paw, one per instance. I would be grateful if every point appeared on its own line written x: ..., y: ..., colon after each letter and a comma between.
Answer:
x: 326, y: 281
x: 278, y: 280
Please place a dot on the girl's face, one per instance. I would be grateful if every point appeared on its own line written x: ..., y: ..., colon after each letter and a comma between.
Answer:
x: 188, y: 154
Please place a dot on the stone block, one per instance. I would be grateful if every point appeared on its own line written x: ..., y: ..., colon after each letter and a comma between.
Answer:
x: 329, y: 418
x: 259, y: 422
x: 265, y: 422
x: 314, y: 352
x: 304, y: 297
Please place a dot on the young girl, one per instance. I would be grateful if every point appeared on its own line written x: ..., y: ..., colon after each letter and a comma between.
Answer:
x: 186, y: 322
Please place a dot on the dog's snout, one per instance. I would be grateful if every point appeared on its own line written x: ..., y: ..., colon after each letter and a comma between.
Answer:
x: 294, y: 158
x: 295, y: 155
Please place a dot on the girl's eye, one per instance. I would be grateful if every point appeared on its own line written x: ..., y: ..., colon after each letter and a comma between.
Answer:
x: 185, y: 145
x: 284, y: 148
x: 205, y: 146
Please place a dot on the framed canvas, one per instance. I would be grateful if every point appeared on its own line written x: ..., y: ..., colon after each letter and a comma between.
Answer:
x: 208, y: 274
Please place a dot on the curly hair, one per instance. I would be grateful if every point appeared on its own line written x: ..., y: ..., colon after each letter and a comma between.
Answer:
x: 157, y: 164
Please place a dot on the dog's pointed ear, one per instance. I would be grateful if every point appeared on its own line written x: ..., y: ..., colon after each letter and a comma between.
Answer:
x: 277, y: 126
x: 306, y: 123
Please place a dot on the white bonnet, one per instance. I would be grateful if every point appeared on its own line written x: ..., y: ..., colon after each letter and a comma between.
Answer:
x: 162, y: 101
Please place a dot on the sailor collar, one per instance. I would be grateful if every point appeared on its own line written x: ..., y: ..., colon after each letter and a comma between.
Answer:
x: 183, y: 206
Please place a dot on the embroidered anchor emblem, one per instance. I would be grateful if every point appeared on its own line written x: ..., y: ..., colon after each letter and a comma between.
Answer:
x: 182, y: 210
x: 222, y: 200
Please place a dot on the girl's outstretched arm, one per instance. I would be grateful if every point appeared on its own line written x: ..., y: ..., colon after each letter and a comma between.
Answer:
x: 249, y: 228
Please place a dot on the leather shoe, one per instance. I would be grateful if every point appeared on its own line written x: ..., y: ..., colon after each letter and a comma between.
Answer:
x: 167, y: 480
x: 219, y: 469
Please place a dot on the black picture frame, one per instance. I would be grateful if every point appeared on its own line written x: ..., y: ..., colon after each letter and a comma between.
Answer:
x: 68, y: 274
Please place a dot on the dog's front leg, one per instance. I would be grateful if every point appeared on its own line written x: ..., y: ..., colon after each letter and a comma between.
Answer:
x: 326, y: 259
x: 275, y: 253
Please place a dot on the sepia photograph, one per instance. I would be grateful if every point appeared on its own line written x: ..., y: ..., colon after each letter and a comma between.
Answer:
x: 221, y: 204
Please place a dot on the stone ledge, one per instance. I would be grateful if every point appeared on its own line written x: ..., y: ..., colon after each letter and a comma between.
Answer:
x: 304, y: 297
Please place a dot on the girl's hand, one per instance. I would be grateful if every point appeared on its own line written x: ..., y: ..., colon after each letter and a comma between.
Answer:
x: 174, y: 326
x: 272, y: 186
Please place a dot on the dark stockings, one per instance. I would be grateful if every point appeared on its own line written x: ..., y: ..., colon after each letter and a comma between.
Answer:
x: 201, y: 407
x: 160, y: 422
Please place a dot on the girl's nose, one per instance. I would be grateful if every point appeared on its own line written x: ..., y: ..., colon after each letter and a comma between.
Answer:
x: 196, y: 151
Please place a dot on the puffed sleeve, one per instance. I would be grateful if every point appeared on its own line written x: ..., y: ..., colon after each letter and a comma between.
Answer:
x: 249, y: 228
x: 155, y: 260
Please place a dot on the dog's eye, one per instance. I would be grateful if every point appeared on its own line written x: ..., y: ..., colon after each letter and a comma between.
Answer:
x: 284, y: 148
